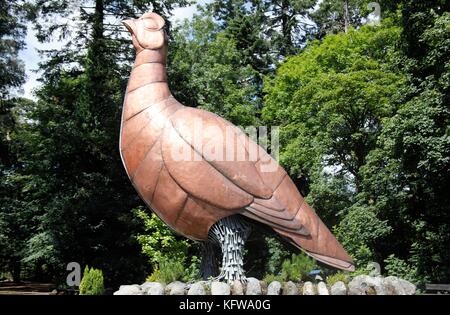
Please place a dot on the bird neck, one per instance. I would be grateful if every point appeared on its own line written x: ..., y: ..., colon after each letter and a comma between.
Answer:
x: 149, y: 72
x: 147, y: 84
x: 151, y: 56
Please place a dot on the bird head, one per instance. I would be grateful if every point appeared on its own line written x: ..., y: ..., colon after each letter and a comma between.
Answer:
x: 147, y: 31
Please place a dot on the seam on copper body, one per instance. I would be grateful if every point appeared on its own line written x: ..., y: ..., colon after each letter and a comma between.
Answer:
x: 148, y: 151
x: 149, y: 62
x: 146, y: 84
x: 213, y: 166
x: 154, y: 104
x: 143, y: 127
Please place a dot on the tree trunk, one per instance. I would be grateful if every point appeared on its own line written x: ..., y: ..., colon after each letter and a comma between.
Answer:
x: 286, y: 30
x: 346, y: 17
x: 98, y: 20
x: 16, y: 271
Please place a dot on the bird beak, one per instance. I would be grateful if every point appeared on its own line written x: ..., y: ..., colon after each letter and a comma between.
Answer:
x: 130, y: 25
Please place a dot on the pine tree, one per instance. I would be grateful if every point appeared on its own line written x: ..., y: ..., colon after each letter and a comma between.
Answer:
x: 77, y: 185
x: 14, y: 225
x: 334, y: 16
x: 282, y: 26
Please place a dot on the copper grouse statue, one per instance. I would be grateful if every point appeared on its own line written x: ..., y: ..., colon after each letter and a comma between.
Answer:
x: 171, y: 155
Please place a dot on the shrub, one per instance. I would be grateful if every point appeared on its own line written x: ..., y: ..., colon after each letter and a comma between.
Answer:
x: 159, y: 241
x: 294, y: 269
x: 277, y: 254
x: 397, y: 267
x: 340, y: 276
x: 92, y: 282
x: 268, y: 278
x: 169, y: 270
x: 358, y: 231
x: 297, y: 268
x: 192, y: 272
x: 167, y: 252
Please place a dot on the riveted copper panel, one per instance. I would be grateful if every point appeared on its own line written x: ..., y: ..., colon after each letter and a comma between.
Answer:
x: 191, y: 192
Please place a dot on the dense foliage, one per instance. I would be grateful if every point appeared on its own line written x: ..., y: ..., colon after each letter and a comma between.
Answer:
x: 363, y: 113
x: 172, y: 256
x: 371, y: 139
x: 92, y: 282
x: 295, y: 268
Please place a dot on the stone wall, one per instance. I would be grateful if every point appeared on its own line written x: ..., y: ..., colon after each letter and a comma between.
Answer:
x: 360, y: 285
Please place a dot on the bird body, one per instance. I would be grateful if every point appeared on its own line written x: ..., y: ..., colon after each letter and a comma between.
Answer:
x: 194, y: 168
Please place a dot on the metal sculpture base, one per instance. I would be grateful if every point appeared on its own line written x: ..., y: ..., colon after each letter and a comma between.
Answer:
x: 230, y: 234
x: 209, y: 267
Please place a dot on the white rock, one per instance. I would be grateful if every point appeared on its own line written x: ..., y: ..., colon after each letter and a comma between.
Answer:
x: 152, y: 288
x: 396, y: 286
x: 176, y: 288
x: 308, y: 288
x: 338, y: 288
x: 274, y: 288
x: 197, y: 289
x: 253, y: 287
x: 220, y: 288
x: 237, y: 288
x: 322, y: 289
x: 366, y: 285
x: 290, y: 288
x: 133, y: 289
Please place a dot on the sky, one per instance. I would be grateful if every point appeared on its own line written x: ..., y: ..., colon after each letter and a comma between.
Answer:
x: 31, y: 57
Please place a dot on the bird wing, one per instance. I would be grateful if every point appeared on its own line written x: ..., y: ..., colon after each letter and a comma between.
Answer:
x: 215, y: 162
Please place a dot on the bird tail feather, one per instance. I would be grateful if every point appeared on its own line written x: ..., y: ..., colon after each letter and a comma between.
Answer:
x: 320, y: 243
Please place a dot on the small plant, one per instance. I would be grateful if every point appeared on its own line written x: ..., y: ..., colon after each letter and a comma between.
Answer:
x: 297, y: 268
x: 395, y: 266
x: 158, y: 241
x: 340, y: 276
x: 294, y: 269
x: 92, y: 282
x: 268, y: 278
x: 277, y: 254
x: 169, y: 254
x: 169, y: 270
x: 362, y: 271
x: 192, y: 272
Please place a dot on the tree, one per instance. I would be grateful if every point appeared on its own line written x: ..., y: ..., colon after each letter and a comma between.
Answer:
x: 289, y: 24
x: 209, y: 72
x: 12, y: 72
x: 330, y: 102
x: 334, y: 16
x: 76, y: 189
x: 244, y: 23
x: 278, y: 27
x: 408, y: 175
x: 13, y: 15
x: 13, y: 224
